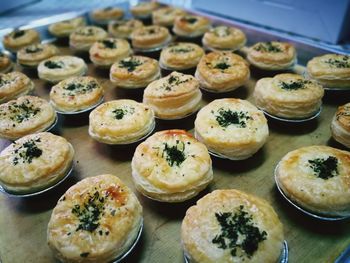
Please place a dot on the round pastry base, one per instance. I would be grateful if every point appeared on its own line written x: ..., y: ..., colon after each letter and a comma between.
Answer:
x: 30, y: 194
x: 312, y: 117
x: 304, y: 210
x: 132, y: 246
x: 282, y: 259
x: 79, y: 111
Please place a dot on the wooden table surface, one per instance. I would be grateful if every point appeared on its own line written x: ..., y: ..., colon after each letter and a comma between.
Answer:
x: 23, y: 221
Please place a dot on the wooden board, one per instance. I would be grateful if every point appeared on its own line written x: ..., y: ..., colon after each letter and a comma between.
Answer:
x: 23, y: 222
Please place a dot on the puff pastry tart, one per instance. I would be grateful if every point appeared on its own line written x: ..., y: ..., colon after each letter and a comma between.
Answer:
x: 76, y: 94
x: 58, y: 68
x: 224, y: 38
x: 35, y: 162
x: 103, y: 16
x: 134, y: 72
x: 272, y: 55
x: 180, y: 56
x: 20, y: 38
x: 222, y: 71
x: 5, y: 63
x: 32, y: 55
x: 231, y: 226
x: 25, y: 115
x: 143, y: 9
x: 105, y: 52
x: 174, y: 96
x: 231, y: 128
x: 165, y: 16
x: 96, y: 220
x: 13, y: 85
x: 317, y: 178
x: 65, y: 28
x: 123, y: 28
x: 341, y: 125
x: 121, y: 122
x: 191, y: 26
x: 171, y: 166
x: 331, y: 70
x: 149, y: 37
x: 83, y: 37
x: 288, y: 96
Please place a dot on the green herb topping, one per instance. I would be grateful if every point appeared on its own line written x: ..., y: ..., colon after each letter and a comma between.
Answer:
x: 172, y: 82
x: 222, y: 31
x: 53, y: 64
x: 189, y: 19
x: 21, y: 112
x: 18, y: 33
x: 228, y: 117
x: 294, y: 85
x: 84, y: 255
x: 89, y: 214
x: 175, y: 154
x: 130, y: 64
x: 222, y: 66
x: 238, y: 233
x: 85, y: 31
x: 109, y: 43
x: 268, y: 47
x: 27, y: 152
x: 79, y: 88
x: 33, y: 49
x: 119, y: 113
x: 4, y: 80
x: 342, y: 62
x: 345, y: 112
x: 325, y: 168
x: 177, y: 48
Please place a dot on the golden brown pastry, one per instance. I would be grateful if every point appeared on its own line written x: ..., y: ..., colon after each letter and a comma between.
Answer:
x: 105, y: 52
x: 83, y: 37
x: 18, y: 39
x: 58, y: 68
x: 340, y: 125
x: 272, y: 55
x: 104, y: 15
x: 32, y: 55
x: 288, y: 96
x: 96, y: 220
x: 231, y: 128
x: 180, y: 56
x: 191, y: 26
x: 222, y: 71
x: 149, y: 37
x: 331, y: 70
x: 174, y: 96
x: 231, y: 226
x: 143, y: 9
x: 224, y: 38
x: 14, y: 85
x: 35, y: 162
x: 76, y: 94
x: 121, y: 122
x: 123, y: 28
x: 171, y: 166
x: 5, y: 63
x: 317, y: 178
x: 25, y: 115
x: 165, y: 16
x: 134, y: 72
x: 65, y: 28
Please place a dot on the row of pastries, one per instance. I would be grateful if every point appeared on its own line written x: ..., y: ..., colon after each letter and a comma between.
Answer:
x: 99, y: 218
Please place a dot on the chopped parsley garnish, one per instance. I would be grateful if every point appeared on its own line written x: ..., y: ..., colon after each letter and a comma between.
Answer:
x: 84, y: 255
x: 4, y: 80
x: 53, y: 64
x: 18, y: 33
x: 89, y: 214
x: 172, y: 82
x: 85, y: 32
x: 268, y: 47
x: 175, y: 154
x: 22, y: 112
x: 27, y: 152
x: 79, y: 88
x: 119, y: 113
x: 294, y: 85
x: 345, y: 112
x: 238, y: 233
x: 339, y: 63
x: 109, y: 43
x: 325, y: 168
x: 33, y: 49
x: 177, y: 48
x: 130, y: 64
x: 228, y: 117
x: 189, y: 19
x: 222, y: 66
x: 221, y: 31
